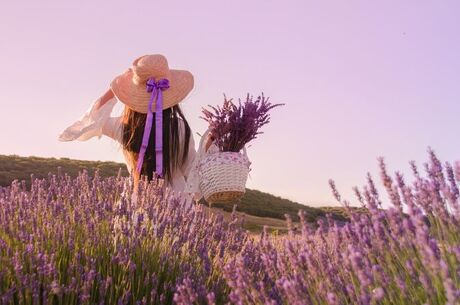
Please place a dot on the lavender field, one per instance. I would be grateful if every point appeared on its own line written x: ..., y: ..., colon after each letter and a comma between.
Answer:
x: 83, y: 241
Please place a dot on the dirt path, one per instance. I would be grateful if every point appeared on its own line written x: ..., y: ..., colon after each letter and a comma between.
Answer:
x: 252, y: 223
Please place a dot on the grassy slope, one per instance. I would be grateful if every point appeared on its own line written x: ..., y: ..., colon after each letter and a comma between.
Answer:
x: 20, y: 168
x: 266, y: 205
x: 262, y: 208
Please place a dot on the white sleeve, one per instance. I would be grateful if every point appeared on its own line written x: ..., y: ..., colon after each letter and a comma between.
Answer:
x: 113, y: 128
x: 92, y: 123
x: 192, y: 185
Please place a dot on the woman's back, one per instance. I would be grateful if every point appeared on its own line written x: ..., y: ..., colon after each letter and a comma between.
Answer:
x: 151, y: 93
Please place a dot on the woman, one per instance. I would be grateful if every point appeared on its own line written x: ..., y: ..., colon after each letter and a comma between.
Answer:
x: 151, y: 93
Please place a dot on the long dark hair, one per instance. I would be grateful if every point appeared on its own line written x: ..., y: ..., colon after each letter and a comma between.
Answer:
x: 173, y: 155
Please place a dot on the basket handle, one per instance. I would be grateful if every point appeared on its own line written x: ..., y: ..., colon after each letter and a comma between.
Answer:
x: 201, y: 149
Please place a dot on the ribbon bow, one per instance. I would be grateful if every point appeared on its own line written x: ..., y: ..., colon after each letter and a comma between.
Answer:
x: 156, y: 88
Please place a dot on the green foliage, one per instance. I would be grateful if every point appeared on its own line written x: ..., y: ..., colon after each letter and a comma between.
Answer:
x: 266, y: 205
x: 14, y: 167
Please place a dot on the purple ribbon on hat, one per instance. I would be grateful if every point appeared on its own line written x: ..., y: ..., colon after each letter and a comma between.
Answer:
x: 156, y: 87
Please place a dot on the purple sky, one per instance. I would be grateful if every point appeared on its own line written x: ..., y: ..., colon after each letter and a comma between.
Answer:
x: 360, y: 79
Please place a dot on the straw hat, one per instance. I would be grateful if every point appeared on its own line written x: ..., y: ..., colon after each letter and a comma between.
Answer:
x: 130, y: 87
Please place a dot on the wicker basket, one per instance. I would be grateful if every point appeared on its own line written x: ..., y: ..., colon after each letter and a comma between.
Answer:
x: 222, y: 175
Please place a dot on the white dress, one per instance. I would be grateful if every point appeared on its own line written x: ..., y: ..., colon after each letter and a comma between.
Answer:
x: 98, y: 122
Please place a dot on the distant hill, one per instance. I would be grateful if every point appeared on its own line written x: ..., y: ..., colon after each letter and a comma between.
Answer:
x: 256, y: 203
x: 262, y: 204
x: 20, y: 168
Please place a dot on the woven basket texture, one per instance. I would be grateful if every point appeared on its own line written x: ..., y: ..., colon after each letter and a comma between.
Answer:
x: 223, y: 176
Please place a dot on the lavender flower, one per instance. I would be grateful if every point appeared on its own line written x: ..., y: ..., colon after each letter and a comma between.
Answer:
x: 83, y: 241
x: 233, y: 126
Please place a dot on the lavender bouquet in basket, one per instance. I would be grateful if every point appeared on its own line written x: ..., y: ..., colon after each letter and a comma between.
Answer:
x: 221, y: 176
x: 233, y: 126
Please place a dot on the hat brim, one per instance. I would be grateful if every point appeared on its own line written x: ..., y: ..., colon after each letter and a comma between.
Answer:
x: 137, y: 98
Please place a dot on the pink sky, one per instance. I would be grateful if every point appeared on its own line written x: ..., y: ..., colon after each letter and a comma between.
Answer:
x: 360, y: 79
